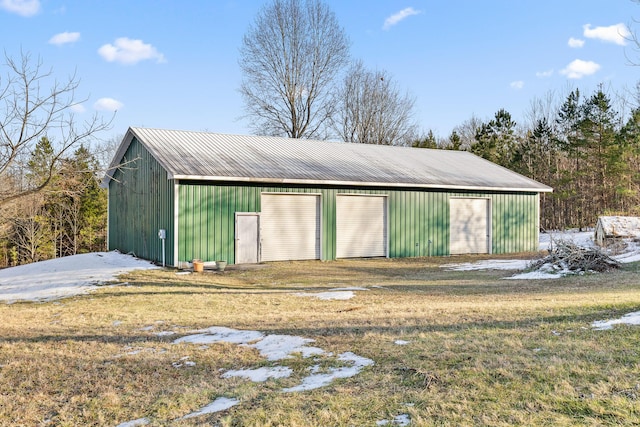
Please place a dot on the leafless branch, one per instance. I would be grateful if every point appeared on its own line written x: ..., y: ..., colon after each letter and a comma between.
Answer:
x: 290, y: 58
x: 34, y: 104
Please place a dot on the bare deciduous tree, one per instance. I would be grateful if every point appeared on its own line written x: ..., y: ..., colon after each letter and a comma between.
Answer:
x: 30, y: 231
x: 371, y: 109
x: 467, y: 132
x: 290, y: 58
x: 33, y: 104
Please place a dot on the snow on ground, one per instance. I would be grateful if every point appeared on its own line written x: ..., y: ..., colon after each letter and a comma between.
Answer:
x: 80, y: 274
x: 135, y: 423
x: 64, y: 277
x: 260, y: 375
x: 220, y: 404
x: 490, y: 264
x: 276, y: 348
x: 628, y: 319
x: 583, y: 238
x: 333, y: 294
x: 536, y: 275
x: 319, y: 379
x: 399, y: 420
x: 580, y: 238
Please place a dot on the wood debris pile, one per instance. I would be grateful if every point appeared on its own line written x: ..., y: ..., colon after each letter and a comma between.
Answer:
x: 570, y: 257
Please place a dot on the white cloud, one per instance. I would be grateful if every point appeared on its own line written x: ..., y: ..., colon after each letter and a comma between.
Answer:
x: 544, y: 74
x: 78, y: 108
x: 618, y: 33
x: 128, y: 51
x: 21, y: 7
x: 578, y: 68
x: 518, y: 84
x: 575, y: 42
x: 108, y: 104
x: 64, y: 38
x: 397, y: 17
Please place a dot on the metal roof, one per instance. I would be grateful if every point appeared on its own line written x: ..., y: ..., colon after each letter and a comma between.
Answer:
x: 260, y: 159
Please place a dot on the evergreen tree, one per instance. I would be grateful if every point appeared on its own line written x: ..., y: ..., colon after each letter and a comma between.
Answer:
x: 428, y: 141
x: 496, y: 139
x: 603, y: 166
x: 455, y: 142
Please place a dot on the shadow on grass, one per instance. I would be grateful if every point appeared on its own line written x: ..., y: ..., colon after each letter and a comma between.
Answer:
x: 453, y: 283
x: 409, y: 325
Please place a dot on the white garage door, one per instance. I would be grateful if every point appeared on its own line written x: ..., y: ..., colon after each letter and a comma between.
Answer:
x: 290, y: 227
x: 469, y: 226
x: 361, y: 226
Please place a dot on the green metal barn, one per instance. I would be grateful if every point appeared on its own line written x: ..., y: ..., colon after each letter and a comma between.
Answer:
x: 179, y: 195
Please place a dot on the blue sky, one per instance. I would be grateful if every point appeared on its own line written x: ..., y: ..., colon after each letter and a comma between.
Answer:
x: 173, y: 64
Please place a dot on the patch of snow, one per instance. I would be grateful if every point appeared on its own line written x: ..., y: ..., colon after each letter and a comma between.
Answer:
x: 535, y: 275
x: 64, y: 277
x: 278, y: 347
x: 317, y: 380
x: 580, y: 238
x: 135, y: 423
x: 164, y: 333
x: 352, y: 288
x: 628, y: 319
x: 260, y: 375
x: 399, y: 420
x: 336, y: 295
x: 401, y: 342
x: 221, y: 334
x: 220, y: 404
x: 627, y: 257
x: 490, y: 264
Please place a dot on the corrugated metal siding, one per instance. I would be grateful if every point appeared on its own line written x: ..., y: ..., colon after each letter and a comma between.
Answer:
x: 141, y: 203
x: 515, y: 222
x: 418, y: 220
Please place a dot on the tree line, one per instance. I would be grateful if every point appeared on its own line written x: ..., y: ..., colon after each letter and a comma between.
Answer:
x: 68, y: 217
x: 584, y: 148
x: 50, y: 202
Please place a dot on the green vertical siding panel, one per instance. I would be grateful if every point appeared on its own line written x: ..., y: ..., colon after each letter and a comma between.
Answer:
x: 514, y: 222
x: 329, y: 230
x: 141, y: 203
x: 497, y: 226
x: 207, y: 219
x: 393, y: 224
x: 441, y: 200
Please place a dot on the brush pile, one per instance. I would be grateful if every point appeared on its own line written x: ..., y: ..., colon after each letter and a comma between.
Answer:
x: 569, y: 257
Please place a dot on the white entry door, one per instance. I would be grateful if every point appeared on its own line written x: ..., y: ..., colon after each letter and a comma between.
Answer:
x: 469, y: 226
x: 247, y: 237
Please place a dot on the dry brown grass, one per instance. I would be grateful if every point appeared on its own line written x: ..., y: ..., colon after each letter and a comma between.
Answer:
x: 482, y: 351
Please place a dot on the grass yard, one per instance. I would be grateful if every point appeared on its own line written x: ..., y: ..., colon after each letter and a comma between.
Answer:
x: 479, y: 350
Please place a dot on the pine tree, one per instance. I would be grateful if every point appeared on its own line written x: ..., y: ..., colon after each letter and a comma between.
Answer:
x: 495, y: 140
x: 428, y: 141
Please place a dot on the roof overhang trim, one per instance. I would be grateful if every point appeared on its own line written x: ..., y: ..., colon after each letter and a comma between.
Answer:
x: 356, y: 183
